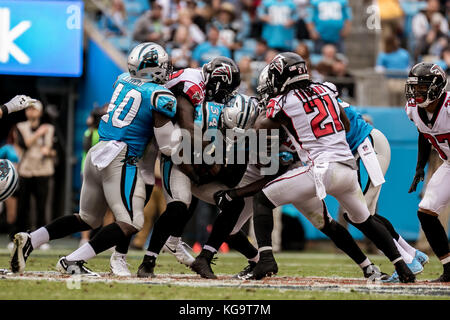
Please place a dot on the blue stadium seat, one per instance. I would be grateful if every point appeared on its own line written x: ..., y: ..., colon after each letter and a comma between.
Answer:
x: 136, y: 7
x: 120, y: 42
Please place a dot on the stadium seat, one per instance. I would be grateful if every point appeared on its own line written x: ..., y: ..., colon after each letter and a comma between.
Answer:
x: 120, y: 42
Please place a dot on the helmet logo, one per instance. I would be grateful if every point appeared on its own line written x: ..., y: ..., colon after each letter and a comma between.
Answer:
x: 4, y: 170
x: 223, y: 72
x: 435, y: 69
x: 277, y: 63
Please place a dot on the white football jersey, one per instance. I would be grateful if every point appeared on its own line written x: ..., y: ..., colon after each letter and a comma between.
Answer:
x: 316, y: 131
x: 436, y: 129
x: 194, y: 84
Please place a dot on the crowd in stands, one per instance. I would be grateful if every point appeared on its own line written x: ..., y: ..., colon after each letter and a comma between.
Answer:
x: 253, y: 31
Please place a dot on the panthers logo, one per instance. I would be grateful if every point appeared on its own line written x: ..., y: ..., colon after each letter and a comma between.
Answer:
x: 4, y: 170
x: 223, y: 72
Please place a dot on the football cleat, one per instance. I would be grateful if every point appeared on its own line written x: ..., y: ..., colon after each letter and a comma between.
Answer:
x: 266, y: 266
x: 147, y: 267
x: 421, y: 257
x: 373, y: 273
x: 202, y: 265
x: 21, y: 250
x: 180, y: 250
x: 244, y: 273
x: 414, y: 267
x: 74, y: 268
x: 118, y: 265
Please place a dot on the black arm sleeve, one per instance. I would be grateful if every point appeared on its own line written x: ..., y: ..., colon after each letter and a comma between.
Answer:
x: 424, y: 150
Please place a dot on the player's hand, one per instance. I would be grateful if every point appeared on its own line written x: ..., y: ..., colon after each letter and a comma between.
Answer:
x: 18, y: 103
x: 420, y: 174
x: 223, y: 198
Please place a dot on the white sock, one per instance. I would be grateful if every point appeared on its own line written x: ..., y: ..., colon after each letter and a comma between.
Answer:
x: 255, y: 258
x: 445, y: 260
x: 173, y: 239
x: 264, y: 249
x: 408, y: 248
x: 122, y: 255
x: 39, y: 237
x: 209, y: 248
x: 85, y: 252
x: 365, y: 263
x: 405, y: 255
x: 151, y: 254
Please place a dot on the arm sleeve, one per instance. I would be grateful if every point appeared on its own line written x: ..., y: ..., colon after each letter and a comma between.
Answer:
x: 423, y: 153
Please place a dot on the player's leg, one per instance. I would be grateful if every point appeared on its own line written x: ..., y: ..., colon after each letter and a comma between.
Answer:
x: 342, y: 183
x: 436, y: 198
x: 295, y: 185
x: 222, y: 226
x: 372, y: 193
x: 171, y: 223
x: 317, y: 213
x: 92, y: 208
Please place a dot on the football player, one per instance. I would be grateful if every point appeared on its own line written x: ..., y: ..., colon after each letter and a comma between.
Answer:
x: 316, y: 130
x: 140, y: 107
x: 370, y: 146
x: 428, y: 106
x: 9, y: 177
x: 255, y: 182
x: 216, y: 81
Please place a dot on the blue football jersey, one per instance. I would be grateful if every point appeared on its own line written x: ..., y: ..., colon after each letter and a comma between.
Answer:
x: 129, y: 117
x: 359, y: 128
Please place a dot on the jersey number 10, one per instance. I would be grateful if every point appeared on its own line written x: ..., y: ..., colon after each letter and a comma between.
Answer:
x: 118, y: 120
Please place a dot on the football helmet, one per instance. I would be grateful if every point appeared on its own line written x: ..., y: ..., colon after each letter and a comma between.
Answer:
x: 9, y: 179
x: 425, y: 84
x: 285, y: 69
x: 262, y: 87
x: 150, y: 62
x: 222, y: 78
x: 240, y: 114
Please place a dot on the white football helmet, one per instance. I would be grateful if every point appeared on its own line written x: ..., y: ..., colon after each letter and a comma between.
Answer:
x: 149, y: 61
x: 9, y: 179
x: 240, y: 114
x: 262, y: 88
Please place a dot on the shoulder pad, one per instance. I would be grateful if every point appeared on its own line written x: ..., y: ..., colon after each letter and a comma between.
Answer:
x: 163, y: 101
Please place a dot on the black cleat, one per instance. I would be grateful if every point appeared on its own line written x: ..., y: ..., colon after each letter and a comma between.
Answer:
x: 266, y: 266
x: 405, y: 274
x: 147, y: 267
x: 21, y: 251
x: 373, y: 273
x: 202, y: 265
x: 243, y: 275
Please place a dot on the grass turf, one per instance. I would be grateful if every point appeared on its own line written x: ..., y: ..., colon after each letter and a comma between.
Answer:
x: 300, y: 264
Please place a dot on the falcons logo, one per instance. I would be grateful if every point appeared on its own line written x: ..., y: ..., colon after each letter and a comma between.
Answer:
x: 277, y: 63
x: 437, y: 70
x: 223, y: 72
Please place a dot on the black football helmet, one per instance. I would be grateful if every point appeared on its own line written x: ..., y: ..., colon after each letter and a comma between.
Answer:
x: 425, y: 84
x: 222, y: 78
x: 285, y: 69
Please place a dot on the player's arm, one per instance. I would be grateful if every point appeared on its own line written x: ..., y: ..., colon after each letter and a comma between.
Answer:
x: 344, y: 119
x: 423, y: 154
x: 17, y: 103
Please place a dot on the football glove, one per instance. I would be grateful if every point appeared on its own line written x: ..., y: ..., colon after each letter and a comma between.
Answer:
x: 18, y: 103
x: 420, y: 174
x: 224, y: 198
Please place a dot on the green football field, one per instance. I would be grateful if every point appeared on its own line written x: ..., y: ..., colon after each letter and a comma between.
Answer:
x: 311, y: 270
